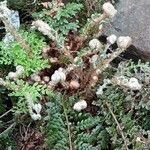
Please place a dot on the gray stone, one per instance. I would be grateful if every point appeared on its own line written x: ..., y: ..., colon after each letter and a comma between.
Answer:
x: 133, y: 19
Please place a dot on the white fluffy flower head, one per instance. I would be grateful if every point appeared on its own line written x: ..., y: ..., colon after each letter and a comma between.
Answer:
x: 42, y: 27
x: 133, y: 84
x: 124, y: 42
x: 58, y: 76
x: 12, y: 75
x: 109, y: 9
x: 19, y: 70
x: 37, y: 108
x: 36, y: 116
x: 80, y: 105
x: 111, y: 39
x: 35, y: 78
x: 95, y: 44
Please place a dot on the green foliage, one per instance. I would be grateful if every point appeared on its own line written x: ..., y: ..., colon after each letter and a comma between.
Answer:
x: 65, y: 18
x: 80, y: 124
x: 14, y: 54
x: 7, y: 141
x: 20, y: 88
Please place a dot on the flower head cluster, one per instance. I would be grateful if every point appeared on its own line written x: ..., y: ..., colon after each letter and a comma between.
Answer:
x: 111, y: 39
x: 95, y: 44
x: 35, y: 77
x: 109, y: 9
x: 80, y: 105
x: 58, y: 76
x: 17, y: 74
x: 131, y: 83
x: 42, y: 27
x: 124, y: 42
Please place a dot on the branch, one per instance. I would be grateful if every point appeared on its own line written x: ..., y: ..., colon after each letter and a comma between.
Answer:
x: 119, y: 127
x: 5, y: 131
x: 5, y: 113
x: 14, y: 33
x: 68, y: 126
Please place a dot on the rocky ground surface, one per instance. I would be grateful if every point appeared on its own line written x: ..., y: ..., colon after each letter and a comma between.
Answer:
x: 133, y: 19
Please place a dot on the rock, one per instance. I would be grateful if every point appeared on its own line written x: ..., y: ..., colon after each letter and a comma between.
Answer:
x: 133, y: 19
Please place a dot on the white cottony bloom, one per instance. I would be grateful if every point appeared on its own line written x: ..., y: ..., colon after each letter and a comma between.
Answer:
x: 109, y: 9
x: 19, y: 70
x: 42, y: 27
x: 133, y: 84
x: 35, y: 116
x: 12, y: 75
x: 95, y: 44
x: 55, y: 78
x: 111, y: 39
x: 35, y: 78
x: 124, y: 42
x: 37, y: 108
x: 80, y: 105
x: 58, y: 76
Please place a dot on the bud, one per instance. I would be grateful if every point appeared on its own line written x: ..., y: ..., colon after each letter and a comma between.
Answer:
x: 46, y: 79
x: 80, y: 105
x: 74, y: 84
x: 124, y: 42
x: 109, y: 9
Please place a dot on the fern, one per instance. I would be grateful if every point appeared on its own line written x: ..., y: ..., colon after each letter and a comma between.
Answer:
x: 80, y: 123
x: 16, y: 55
x: 64, y: 20
x: 20, y: 88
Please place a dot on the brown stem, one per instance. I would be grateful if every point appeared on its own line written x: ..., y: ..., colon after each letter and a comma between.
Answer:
x: 104, y: 65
